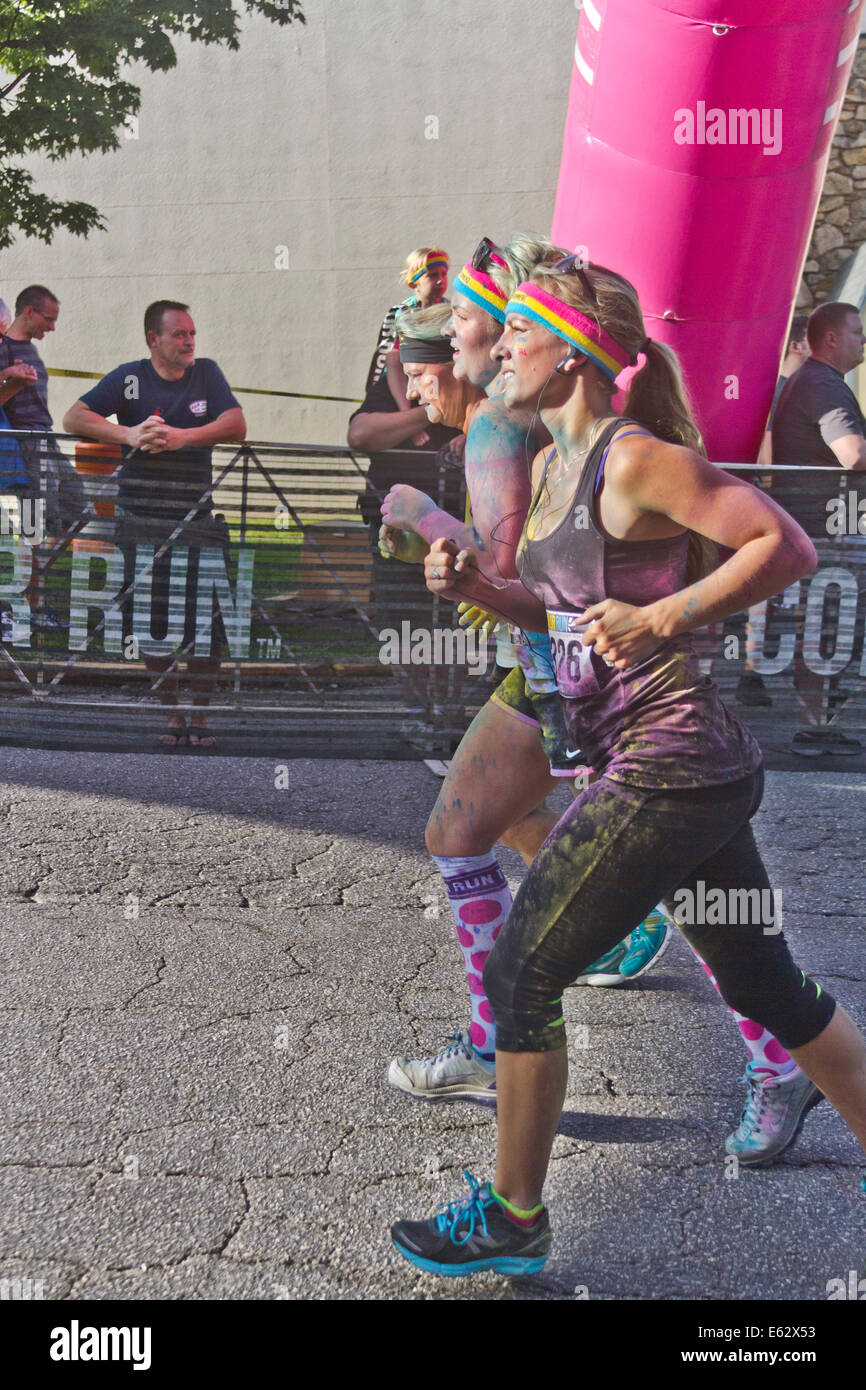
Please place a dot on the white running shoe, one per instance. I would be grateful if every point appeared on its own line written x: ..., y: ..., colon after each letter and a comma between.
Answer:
x: 457, y: 1071
x: 775, y: 1109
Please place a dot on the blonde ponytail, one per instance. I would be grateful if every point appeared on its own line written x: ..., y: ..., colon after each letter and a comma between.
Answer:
x: 658, y: 398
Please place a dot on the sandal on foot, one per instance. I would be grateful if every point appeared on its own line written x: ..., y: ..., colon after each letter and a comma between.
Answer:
x: 199, y: 737
x: 178, y: 736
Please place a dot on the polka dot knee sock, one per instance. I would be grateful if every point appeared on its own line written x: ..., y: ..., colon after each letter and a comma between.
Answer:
x: 768, y: 1056
x: 480, y: 901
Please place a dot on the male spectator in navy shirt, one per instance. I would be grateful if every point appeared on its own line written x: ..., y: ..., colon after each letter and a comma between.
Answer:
x: 818, y: 424
x: 24, y: 397
x: 170, y: 408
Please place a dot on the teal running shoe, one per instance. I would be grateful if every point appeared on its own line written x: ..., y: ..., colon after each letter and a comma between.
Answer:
x: 633, y: 956
x: 474, y: 1235
x: 647, y: 943
x: 604, y: 973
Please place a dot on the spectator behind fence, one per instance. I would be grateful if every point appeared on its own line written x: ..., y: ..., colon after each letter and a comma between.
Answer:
x: 426, y: 273
x: 796, y: 353
x: 24, y: 397
x: 5, y: 316
x: 171, y: 408
x: 381, y: 430
x: 751, y: 689
x: 818, y: 424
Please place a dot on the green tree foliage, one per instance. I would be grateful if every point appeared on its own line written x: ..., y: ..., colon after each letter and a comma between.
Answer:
x: 61, y: 87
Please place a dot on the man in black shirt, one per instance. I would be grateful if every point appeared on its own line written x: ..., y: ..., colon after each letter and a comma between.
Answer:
x: 817, y: 420
x: 818, y: 424
x: 170, y: 409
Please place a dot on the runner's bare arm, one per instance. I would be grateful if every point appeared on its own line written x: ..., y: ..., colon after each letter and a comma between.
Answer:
x: 648, y: 479
x: 406, y: 508
x: 498, y: 482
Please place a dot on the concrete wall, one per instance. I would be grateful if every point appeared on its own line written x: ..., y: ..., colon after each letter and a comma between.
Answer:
x: 840, y: 225
x: 318, y: 139
x: 315, y: 138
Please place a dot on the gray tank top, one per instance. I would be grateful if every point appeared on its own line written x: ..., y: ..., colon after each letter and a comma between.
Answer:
x: 660, y: 723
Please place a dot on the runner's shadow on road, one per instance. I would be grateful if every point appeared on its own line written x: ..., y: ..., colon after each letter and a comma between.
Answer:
x: 597, y: 1128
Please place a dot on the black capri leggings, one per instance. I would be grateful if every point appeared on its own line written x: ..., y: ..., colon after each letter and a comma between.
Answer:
x: 618, y: 851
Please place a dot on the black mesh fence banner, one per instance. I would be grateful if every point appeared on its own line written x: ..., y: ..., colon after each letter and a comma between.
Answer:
x: 255, y: 592
x: 252, y: 596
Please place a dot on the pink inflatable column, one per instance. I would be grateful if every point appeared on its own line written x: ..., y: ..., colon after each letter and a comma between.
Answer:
x: 696, y: 143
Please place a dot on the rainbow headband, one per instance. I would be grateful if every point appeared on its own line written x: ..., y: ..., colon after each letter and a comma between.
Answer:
x: 532, y: 302
x: 431, y: 263
x: 478, y: 286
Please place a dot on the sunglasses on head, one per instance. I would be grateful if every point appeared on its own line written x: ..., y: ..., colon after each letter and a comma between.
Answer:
x: 485, y: 252
x: 575, y: 263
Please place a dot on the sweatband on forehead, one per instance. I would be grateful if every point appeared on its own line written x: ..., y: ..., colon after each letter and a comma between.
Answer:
x: 478, y: 286
x: 532, y: 302
x: 430, y: 263
x: 426, y: 350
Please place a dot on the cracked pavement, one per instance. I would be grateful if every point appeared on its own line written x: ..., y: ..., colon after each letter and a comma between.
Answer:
x: 205, y: 976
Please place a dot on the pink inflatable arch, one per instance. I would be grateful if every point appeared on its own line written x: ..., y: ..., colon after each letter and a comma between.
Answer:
x: 696, y: 142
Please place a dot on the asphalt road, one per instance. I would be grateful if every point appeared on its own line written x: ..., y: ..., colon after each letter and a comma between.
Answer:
x: 205, y: 975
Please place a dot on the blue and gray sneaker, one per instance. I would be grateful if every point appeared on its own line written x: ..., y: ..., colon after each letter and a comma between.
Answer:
x: 773, y: 1115
x: 472, y: 1235
x: 633, y: 956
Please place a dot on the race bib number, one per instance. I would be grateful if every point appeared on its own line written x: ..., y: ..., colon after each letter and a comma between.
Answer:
x: 579, y: 672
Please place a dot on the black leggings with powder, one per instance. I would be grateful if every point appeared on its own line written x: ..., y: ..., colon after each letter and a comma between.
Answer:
x: 619, y: 850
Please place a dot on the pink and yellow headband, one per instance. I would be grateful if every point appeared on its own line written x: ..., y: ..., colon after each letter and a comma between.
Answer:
x: 478, y: 286
x: 431, y: 262
x: 532, y: 302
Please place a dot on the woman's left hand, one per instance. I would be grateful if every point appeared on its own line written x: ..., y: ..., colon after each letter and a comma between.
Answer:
x: 405, y: 507
x: 621, y: 634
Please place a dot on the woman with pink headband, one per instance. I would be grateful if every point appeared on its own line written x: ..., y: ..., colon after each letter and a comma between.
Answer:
x: 426, y: 275
x: 501, y: 767
x: 515, y: 749
x: 615, y: 560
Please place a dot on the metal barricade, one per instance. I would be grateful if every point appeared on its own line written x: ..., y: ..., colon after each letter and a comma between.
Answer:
x: 793, y: 667
x: 323, y: 647
x: 327, y: 649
